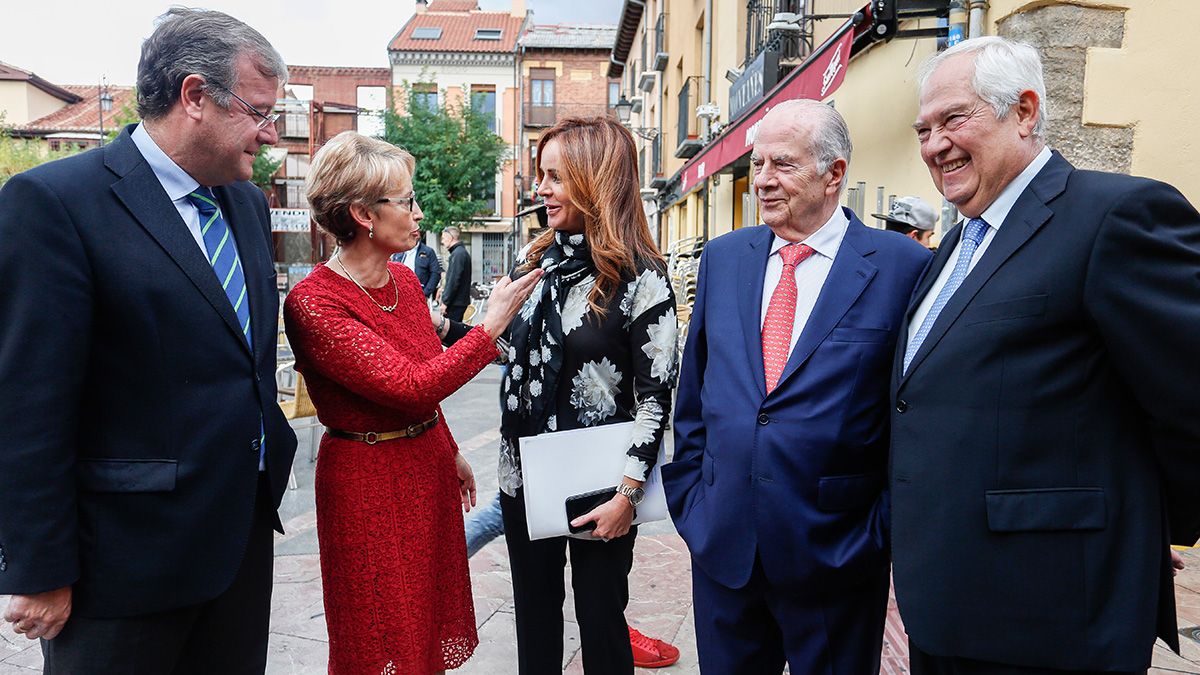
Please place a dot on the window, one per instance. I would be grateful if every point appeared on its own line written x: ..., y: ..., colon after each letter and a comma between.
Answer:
x: 483, y: 102
x: 296, y: 166
x: 423, y: 96
x: 295, y: 107
x: 371, y: 103
x: 614, y: 93
x: 427, y: 33
x: 295, y: 197
x: 488, y: 33
x: 541, y: 87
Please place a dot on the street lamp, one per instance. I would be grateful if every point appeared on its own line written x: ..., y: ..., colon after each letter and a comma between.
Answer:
x: 105, y: 101
x: 624, y: 109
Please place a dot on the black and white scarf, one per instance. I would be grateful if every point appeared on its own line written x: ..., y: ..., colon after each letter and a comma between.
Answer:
x: 536, y: 338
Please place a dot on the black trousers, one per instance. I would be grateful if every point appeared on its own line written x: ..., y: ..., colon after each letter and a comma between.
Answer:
x: 600, y: 579
x: 455, y: 312
x: 227, y: 634
x: 922, y: 663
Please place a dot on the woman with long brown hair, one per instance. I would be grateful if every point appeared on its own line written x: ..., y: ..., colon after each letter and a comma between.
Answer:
x: 594, y: 344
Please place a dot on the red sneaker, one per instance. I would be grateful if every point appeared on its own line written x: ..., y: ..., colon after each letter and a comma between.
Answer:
x: 649, y: 652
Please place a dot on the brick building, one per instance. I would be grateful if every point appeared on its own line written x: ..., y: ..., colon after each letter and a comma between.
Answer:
x: 563, y: 74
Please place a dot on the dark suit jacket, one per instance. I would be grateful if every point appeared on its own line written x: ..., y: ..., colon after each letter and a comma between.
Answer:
x: 130, y: 425
x: 428, y: 269
x: 457, y: 292
x: 1046, y: 438
x: 795, y: 476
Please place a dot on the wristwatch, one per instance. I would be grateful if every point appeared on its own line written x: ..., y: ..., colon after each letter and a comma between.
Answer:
x: 635, y: 495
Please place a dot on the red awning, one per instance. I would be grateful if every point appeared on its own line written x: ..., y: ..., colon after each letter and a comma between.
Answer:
x: 816, y: 78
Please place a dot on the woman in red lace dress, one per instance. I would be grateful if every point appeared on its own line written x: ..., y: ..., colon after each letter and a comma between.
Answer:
x: 389, y: 479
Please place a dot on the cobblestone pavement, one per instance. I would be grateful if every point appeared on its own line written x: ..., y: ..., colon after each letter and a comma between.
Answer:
x: 660, y: 585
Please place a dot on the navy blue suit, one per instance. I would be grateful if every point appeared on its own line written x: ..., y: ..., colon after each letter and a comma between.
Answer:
x: 129, y: 434
x: 1046, y: 436
x: 427, y: 267
x: 784, y: 492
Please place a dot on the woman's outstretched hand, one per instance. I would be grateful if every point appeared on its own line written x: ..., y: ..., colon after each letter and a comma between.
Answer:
x: 466, y: 481
x: 506, y: 298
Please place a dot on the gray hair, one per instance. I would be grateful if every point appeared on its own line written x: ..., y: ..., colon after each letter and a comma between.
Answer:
x: 1003, y: 70
x: 199, y: 42
x: 830, y: 135
x: 453, y: 231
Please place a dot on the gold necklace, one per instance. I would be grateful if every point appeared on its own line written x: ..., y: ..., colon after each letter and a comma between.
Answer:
x: 387, y: 308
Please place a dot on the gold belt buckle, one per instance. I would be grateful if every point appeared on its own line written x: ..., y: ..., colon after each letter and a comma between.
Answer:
x: 371, y: 437
x: 415, y: 429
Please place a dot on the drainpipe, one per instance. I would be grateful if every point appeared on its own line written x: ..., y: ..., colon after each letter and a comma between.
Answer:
x: 979, y: 10
x: 706, y: 58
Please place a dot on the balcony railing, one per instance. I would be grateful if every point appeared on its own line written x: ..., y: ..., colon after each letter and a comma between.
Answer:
x: 659, y: 62
x: 548, y: 115
x: 688, y: 141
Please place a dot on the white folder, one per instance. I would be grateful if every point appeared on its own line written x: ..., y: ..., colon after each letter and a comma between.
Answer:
x: 563, y: 464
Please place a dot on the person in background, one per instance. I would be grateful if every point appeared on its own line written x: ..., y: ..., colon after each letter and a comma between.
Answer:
x: 423, y: 261
x: 911, y: 217
x: 1045, y: 427
x: 389, y: 480
x: 143, y: 456
x: 456, y: 293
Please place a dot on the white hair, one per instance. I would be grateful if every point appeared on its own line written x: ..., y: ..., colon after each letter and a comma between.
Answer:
x: 1003, y: 70
x: 830, y: 136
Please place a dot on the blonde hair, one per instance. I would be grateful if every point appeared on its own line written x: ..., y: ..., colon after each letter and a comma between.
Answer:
x: 353, y: 169
x: 600, y: 175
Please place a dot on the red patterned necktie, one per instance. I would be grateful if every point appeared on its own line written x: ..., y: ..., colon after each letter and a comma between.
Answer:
x: 781, y: 314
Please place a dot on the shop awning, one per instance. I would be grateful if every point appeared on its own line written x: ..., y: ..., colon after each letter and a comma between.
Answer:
x: 817, y: 78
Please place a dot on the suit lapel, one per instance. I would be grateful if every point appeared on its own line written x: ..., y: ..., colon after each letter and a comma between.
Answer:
x: 139, y: 190
x: 752, y: 270
x: 848, y: 277
x: 1027, y: 216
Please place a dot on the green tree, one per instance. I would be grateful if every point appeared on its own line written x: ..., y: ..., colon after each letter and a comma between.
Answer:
x: 22, y: 154
x: 264, y: 168
x: 458, y: 155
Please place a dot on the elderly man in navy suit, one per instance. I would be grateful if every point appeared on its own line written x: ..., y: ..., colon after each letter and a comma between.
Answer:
x: 777, y: 484
x: 1045, y: 427
x: 142, y: 453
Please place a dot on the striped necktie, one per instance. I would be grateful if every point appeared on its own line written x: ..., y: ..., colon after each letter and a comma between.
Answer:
x: 222, y: 255
x: 972, y: 237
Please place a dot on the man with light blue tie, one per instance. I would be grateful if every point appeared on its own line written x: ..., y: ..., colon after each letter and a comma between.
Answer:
x: 142, y: 453
x: 1045, y: 430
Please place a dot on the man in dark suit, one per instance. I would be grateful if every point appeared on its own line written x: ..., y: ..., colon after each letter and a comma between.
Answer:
x: 422, y: 260
x: 456, y: 294
x: 777, y: 483
x: 142, y: 453
x: 1045, y: 427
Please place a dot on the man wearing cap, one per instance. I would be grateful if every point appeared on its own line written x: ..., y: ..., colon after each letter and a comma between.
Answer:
x: 912, y: 217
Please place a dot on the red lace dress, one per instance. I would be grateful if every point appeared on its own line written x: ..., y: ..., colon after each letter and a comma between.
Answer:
x: 389, y: 516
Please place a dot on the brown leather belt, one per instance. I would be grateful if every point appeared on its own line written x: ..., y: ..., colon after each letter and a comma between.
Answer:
x: 373, y: 437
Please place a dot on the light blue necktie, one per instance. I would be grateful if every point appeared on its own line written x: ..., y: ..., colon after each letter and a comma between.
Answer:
x: 223, y: 256
x: 972, y: 236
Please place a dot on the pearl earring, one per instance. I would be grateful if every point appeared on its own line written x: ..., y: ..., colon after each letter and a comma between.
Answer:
x: 371, y: 233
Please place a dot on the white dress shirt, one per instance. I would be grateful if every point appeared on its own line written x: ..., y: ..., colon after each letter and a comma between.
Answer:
x: 810, y: 274
x: 177, y: 183
x: 994, y: 216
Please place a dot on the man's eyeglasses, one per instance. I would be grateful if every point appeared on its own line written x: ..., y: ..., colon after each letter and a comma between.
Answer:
x: 263, y: 121
x: 407, y: 202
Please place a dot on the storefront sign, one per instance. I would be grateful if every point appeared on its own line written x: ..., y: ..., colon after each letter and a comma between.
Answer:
x: 289, y: 220
x: 760, y: 77
x: 816, y: 79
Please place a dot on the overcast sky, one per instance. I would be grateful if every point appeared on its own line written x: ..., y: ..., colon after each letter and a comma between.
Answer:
x: 76, y: 42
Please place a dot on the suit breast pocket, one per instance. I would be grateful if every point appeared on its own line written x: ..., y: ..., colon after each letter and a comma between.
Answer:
x: 1017, y: 308
x: 126, y: 475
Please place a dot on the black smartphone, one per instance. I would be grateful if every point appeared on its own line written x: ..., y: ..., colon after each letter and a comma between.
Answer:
x: 578, y: 505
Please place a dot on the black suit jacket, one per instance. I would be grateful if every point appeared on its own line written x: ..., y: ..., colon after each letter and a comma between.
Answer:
x: 131, y: 417
x: 428, y: 269
x: 457, y: 291
x: 1046, y: 437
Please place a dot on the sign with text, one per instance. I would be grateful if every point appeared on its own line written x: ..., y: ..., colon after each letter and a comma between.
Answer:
x: 289, y: 220
x: 760, y: 77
